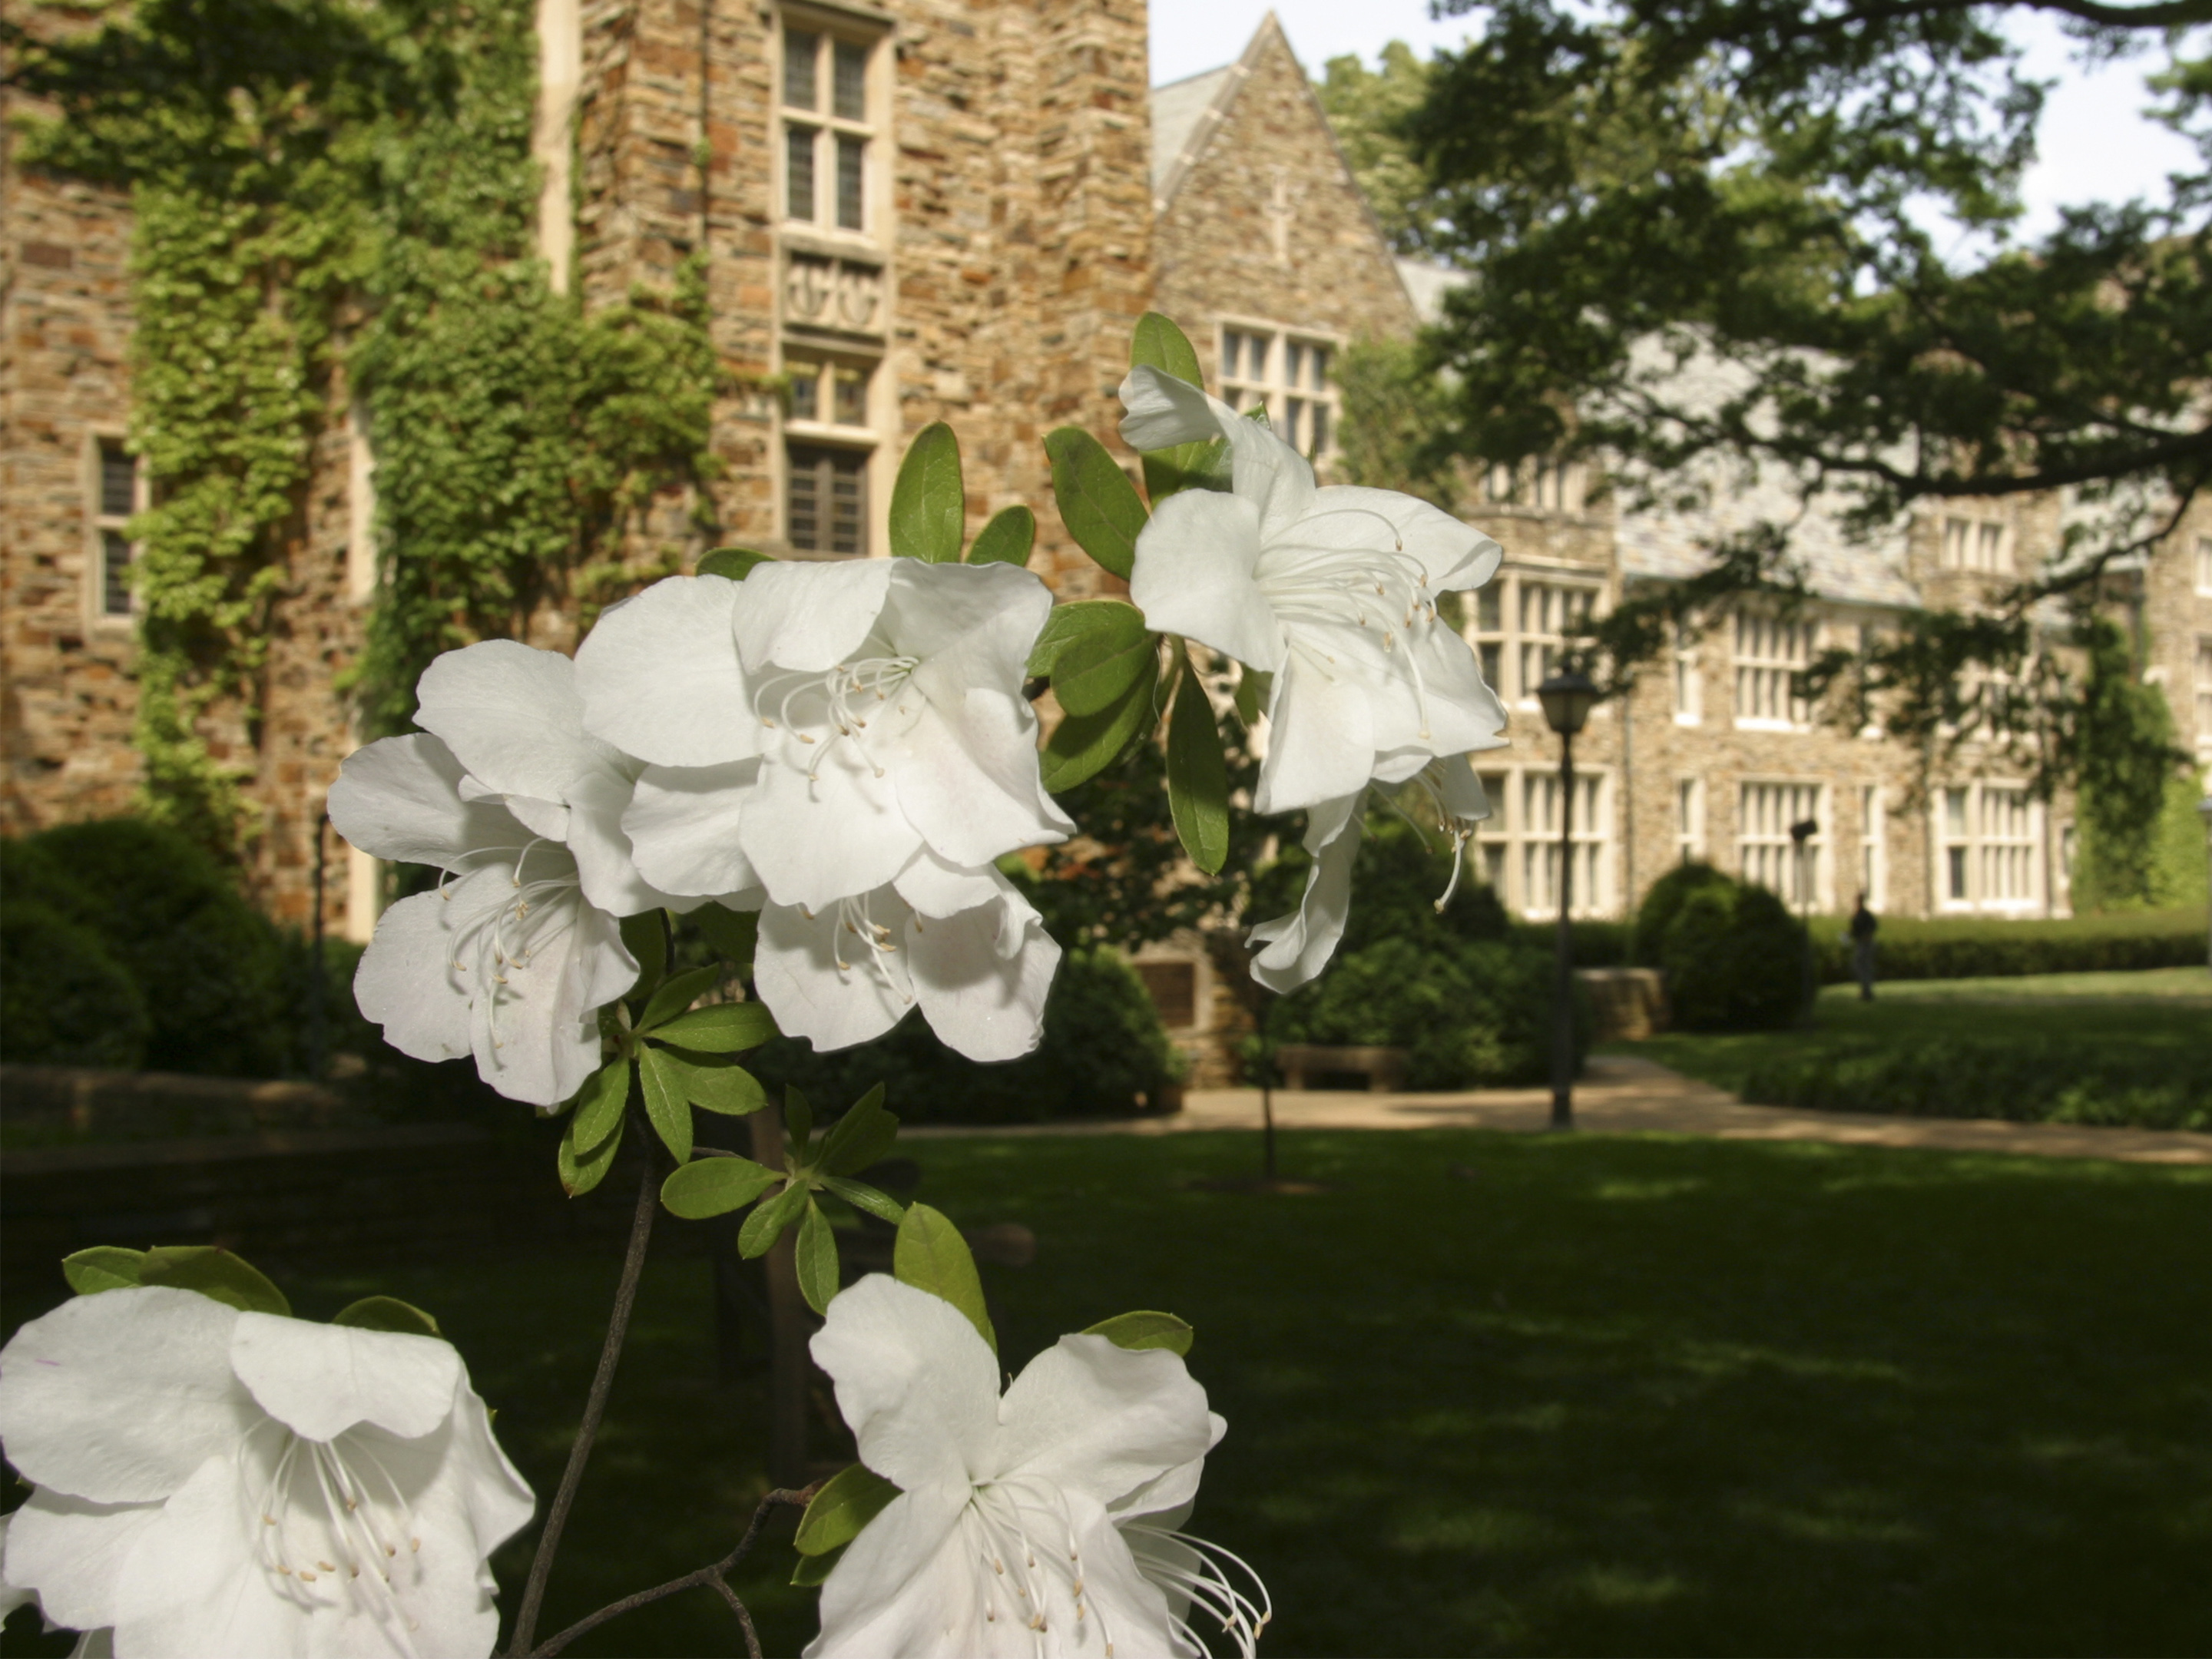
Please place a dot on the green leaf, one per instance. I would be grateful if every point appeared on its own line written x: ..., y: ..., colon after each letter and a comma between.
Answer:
x: 733, y: 932
x: 735, y: 562
x: 767, y: 1222
x: 727, y: 1028
x: 1007, y: 539
x: 1205, y: 465
x: 600, y: 1103
x: 1253, y: 689
x: 667, y: 1107
x: 1258, y: 414
x: 931, y: 1255
x: 1082, y: 745
x: 646, y: 936
x: 1094, y: 672
x: 862, y: 1196
x: 1067, y: 623
x: 103, y: 1268
x: 818, y: 1259
x: 929, y: 505
x: 798, y: 1121
x: 1098, y: 503
x: 860, y: 1137
x: 1198, y: 776
x: 387, y: 1313
x: 678, y: 995
x: 813, y: 1570
x: 730, y: 1090
x: 581, y: 1172
x: 847, y: 1501
x: 1155, y: 340
x: 715, y: 1186
x: 1144, y: 1330
x: 214, y: 1272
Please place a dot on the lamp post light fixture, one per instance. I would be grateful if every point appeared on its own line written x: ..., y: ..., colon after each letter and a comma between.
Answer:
x: 1801, y: 836
x: 1567, y: 698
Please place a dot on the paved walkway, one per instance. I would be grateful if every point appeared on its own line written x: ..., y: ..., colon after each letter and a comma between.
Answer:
x: 1623, y: 1094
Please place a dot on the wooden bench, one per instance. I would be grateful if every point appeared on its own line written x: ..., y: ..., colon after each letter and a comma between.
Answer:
x: 1383, y: 1068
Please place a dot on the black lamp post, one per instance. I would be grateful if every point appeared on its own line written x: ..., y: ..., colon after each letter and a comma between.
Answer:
x: 1567, y: 698
x: 1801, y: 834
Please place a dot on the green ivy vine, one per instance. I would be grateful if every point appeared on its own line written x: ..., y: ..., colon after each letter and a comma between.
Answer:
x: 330, y: 201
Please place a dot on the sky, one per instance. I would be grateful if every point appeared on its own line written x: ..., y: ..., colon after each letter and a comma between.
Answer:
x: 2094, y: 144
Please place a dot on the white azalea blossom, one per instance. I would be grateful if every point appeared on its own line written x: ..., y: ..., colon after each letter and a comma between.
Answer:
x: 1332, y: 591
x: 207, y: 1481
x: 1038, y: 1522
x: 850, y: 742
x: 514, y: 954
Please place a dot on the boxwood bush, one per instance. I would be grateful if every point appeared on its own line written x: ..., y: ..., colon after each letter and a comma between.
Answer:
x: 1978, y: 947
x: 2040, y: 1080
x: 1734, y: 957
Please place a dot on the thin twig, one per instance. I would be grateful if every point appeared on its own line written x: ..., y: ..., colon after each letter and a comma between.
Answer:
x: 548, y: 1541
x: 714, y: 1576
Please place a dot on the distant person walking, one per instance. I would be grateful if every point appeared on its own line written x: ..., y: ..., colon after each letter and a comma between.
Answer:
x: 1863, y: 928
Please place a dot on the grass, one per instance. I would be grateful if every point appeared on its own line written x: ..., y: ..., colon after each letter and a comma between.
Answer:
x: 2158, y: 1011
x: 1497, y: 1393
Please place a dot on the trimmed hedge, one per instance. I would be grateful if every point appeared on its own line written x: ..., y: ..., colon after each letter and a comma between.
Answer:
x: 1979, y: 947
x: 2046, y: 1080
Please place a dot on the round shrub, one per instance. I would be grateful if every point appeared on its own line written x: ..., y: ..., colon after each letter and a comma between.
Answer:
x: 63, y: 1000
x: 1735, y: 960
x: 1664, y: 900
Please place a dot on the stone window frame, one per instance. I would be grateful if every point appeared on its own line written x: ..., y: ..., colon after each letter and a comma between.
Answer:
x: 1765, y: 808
x: 1690, y: 818
x: 100, y: 524
x: 832, y: 26
x: 1315, y: 389
x: 2204, y: 567
x: 1972, y: 857
x: 1874, y: 846
x: 1521, y: 843
x: 1767, y: 652
x: 1538, y: 483
x: 1688, y: 678
x: 1505, y: 645
x: 1977, y: 542
x: 2203, y: 688
x: 831, y: 371
x: 865, y: 455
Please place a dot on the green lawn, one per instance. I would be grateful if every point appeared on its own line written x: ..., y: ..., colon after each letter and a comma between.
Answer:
x: 2159, y: 1011
x: 1501, y: 1394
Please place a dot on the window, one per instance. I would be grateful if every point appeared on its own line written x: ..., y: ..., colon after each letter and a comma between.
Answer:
x: 828, y: 135
x: 115, y: 498
x: 1769, y: 653
x: 1976, y: 544
x: 1873, y: 828
x: 1540, y: 845
x: 2204, y: 691
x: 1549, y: 612
x: 827, y: 506
x: 1765, y: 851
x: 1689, y: 683
x: 1289, y: 377
x: 827, y: 393
x: 1989, y: 837
x: 1493, y: 841
x: 1554, y: 484
x: 1689, y: 819
x: 2204, y: 565
x: 1490, y: 634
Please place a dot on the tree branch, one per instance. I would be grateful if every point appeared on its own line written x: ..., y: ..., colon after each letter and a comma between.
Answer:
x: 556, y: 1518
x: 714, y: 1577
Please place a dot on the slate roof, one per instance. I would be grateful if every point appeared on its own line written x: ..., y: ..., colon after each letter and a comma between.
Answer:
x: 1176, y: 108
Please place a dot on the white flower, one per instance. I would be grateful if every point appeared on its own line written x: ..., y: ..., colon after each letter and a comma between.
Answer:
x: 1297, y: 946
x: 851, y: 741
x: 207, y: 1481
x: 1041, y: 1524
x: 1332, y: 591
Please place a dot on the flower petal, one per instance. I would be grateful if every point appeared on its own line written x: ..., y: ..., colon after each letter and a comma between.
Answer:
x: 1455, y: 555
x: 118, y: 1397
x: 1193, y: 576
x: 192, y: 1581
x: 320, y: 1380
x: 661, y: 677
x: 1298, y: 945
x: 1163, y: 411
x: 823, y: 984
x: 68, y: 1551
x: 512, y: 715
x: 936, y: 887
x: 967, y: 777
x: 816, y: 838
x: 406, y: 981
x: 1321, y: 737
x: 498, y: 1501
x: 808, y: 616
x: 1094, y: 1417
x: 400, y: 797
x: 917, y: 1385
x: 606, y: 862
x: 982, y: 976
x: 1265, y: 471
x: 682, y: 825
x: 906, y: 1586
x: 535, y: 1035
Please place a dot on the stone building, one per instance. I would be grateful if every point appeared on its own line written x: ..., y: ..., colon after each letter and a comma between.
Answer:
x: 956, y: 209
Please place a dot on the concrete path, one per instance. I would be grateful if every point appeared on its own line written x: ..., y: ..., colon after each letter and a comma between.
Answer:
x: 1622, y: 1094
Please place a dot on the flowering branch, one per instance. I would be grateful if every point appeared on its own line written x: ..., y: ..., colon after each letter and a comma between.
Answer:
x: 556, y: 1518
x: 714, y: 1575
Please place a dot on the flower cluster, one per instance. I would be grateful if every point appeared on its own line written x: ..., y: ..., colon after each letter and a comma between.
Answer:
x: 844, y: 748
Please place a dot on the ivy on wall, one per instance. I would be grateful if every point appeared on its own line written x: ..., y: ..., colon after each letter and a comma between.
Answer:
x: 327, y: 196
